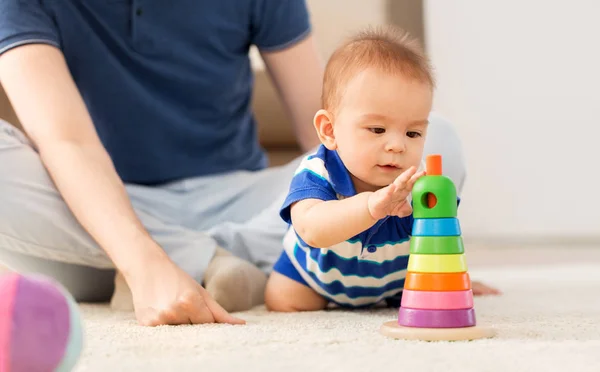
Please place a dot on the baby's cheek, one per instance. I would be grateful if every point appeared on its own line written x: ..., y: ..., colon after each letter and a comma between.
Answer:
x: 365, y: 162
x: 357, y: 165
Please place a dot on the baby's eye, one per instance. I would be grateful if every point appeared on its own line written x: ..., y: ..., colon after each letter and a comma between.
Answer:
x: 377, y: 130
x: 413, y: 134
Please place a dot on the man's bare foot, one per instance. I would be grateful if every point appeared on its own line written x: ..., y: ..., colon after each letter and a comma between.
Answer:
x: 480, y: 289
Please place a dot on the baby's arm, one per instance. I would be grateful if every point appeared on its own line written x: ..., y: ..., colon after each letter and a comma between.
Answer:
x: 325, y: 223
x: 320, y: 224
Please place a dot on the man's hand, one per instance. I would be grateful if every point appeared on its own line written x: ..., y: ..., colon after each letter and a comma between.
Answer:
x: 392, y: 199
x: 165, y: 294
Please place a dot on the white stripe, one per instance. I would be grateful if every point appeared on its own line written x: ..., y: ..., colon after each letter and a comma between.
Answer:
x: 342, y: 298
x: 315, y: 165
x: 290, y: 242
x: 334, y: 274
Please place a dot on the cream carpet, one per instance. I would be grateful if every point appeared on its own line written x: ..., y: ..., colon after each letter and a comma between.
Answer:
x: 548, y: 319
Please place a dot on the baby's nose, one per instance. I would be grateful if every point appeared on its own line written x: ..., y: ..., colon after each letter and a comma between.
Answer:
x: 395, y: 145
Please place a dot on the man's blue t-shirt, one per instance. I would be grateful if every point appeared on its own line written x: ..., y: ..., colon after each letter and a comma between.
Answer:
x: 168, y: 83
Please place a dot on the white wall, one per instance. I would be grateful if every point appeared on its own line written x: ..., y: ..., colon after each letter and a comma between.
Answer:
x: 521, y: 79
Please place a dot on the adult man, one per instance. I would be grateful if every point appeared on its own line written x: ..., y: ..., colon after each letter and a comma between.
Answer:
x: 142, y: 152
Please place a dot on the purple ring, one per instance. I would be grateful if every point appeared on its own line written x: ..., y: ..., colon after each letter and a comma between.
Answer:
x: 436, y: 318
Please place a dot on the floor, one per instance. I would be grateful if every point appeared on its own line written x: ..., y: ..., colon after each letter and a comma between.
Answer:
x: 548, y: 319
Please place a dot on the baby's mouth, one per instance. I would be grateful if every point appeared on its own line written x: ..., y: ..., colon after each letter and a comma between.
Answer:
x: 389, y: 167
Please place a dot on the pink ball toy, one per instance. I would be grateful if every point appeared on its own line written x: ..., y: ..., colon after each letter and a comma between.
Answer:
x: 40, y: 325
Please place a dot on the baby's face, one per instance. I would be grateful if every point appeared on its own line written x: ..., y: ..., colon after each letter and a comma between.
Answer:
x: 380, y: 127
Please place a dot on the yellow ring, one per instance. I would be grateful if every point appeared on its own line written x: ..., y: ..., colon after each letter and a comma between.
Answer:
x: 437, y: 263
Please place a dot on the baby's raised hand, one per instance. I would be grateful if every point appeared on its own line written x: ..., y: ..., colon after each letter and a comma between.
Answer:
x: 392, y: 199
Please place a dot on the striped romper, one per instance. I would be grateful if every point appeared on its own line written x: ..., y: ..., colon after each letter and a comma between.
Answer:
x: 362, y: 271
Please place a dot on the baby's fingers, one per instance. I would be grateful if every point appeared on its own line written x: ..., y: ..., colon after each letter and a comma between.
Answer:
x: 384, y: 196
x: 380, y: 201
x: 387, y: 196
x: 402, y: 179
x: 389, y: 193
x: 414, y: 178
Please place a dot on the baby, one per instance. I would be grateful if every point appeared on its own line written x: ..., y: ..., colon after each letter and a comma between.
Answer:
x: 348, y: 209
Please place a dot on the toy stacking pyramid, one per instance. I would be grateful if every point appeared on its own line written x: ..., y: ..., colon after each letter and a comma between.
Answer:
x: 437, y: 301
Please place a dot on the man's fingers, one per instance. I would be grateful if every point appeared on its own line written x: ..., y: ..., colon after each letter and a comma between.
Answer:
x: 222, y: 316
x: 151, y: 318
x: 196, y: 309
x: 172, y: 317
x: 147, y: 317
x: 191, y: 308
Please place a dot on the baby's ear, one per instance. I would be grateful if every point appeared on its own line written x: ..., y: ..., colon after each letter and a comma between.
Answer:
x: 323, y: 123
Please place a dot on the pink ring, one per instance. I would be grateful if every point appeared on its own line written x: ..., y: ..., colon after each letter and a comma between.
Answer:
x: 451, y: 300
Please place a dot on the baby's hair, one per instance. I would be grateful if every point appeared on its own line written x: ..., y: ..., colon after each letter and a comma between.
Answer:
x: 387, y: 48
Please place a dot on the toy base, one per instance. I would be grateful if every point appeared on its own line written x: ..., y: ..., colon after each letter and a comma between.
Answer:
x: 394, y: 330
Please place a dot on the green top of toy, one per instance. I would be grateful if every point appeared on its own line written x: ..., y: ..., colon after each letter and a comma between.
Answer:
x: 434, y: 195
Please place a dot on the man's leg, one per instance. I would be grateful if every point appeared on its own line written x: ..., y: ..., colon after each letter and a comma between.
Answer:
x: 240, y: 211
x: 86, y: 284
x: 38, y: 233
x: 252, y: 228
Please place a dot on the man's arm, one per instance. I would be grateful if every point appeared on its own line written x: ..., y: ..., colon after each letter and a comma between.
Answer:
x: 297, y: 72
x: 52, y: 112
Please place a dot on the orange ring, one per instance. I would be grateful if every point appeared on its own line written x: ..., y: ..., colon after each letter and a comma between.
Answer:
x: 437, y: 281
